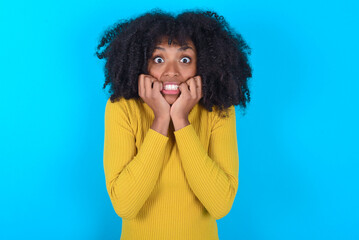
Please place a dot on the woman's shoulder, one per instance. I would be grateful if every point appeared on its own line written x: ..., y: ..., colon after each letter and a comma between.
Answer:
x: 122, y: 104
x: 217, y: 114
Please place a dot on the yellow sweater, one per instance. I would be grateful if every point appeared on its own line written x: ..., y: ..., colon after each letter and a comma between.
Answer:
x: 169, y: 187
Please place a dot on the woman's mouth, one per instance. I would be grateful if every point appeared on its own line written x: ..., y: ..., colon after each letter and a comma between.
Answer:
x: 170, y: 88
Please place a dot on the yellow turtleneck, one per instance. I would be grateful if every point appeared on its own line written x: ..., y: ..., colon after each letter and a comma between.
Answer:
x: 169, y: 187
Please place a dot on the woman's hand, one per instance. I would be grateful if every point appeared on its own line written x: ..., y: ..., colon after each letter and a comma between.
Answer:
x: 153, y: 96
x: 187, y: 100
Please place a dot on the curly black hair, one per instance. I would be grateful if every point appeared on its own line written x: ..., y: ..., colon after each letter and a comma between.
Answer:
x: 222, y: 60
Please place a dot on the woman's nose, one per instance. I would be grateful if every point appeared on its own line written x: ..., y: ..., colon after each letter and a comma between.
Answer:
x: 171, y: 70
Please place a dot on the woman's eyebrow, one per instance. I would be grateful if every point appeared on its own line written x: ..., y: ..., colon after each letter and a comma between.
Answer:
x: 180, y: 49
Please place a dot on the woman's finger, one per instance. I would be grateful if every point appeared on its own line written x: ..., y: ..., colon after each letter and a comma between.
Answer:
x: 192, y: 85
x: 141, y: 85
x: 148, y: 86
x: 183, y: 87
x: 157, y: 86
x: 199, y: 86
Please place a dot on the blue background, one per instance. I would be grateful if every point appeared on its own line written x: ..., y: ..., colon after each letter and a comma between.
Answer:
x: 298, y: 142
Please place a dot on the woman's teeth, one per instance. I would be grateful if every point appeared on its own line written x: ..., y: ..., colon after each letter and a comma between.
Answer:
x: 171, y: 87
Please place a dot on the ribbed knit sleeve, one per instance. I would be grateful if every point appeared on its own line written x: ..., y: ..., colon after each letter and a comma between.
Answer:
x: 130, y: 177
x: 212, y: 176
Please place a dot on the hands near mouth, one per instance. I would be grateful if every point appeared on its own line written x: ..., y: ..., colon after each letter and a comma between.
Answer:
x: 190, y: 94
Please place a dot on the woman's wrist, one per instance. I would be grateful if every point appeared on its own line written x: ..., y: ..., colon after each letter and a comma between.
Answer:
x: 179, y: 123
x: 161, y: 124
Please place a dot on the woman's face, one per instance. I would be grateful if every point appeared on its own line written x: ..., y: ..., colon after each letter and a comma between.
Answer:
x: 173, y: 64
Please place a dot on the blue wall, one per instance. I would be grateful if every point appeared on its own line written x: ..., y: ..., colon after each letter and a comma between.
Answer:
x: 298, y: 142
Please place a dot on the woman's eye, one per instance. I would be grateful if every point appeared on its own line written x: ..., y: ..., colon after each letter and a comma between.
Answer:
x: 186, y: 59
x: 158, y: 59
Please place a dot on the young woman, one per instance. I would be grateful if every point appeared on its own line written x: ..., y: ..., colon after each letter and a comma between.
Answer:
x: 170, y: 147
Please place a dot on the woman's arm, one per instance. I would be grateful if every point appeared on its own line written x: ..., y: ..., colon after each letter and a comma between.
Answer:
x: 213, y: 177
x: 130, y: 177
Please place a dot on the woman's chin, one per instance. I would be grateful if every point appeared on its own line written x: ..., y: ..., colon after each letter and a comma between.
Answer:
x: 171, y: 98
